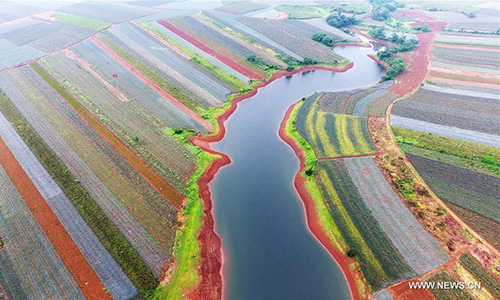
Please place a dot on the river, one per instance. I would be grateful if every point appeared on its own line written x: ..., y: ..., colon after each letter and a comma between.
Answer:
x: 269, y: 252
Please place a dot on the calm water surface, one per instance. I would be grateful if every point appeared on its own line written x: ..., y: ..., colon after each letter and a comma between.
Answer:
x: 269, y: 251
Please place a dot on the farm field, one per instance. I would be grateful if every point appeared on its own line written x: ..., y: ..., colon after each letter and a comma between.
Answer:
x: 294, y: 35
x: 333, y: 135
x: 234, y: 23
x: 381, y: 263
x: 100, y: 170
x: 126, y: 120
x: 451, y: 124
x: 112, y: 116
x: 464, y: 112
x: 24, y: 269
x: 208, y: 39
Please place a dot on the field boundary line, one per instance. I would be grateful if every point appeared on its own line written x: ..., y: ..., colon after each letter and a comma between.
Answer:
x: 158, y: 183
x: 86, y: 278
x: 143, y: 78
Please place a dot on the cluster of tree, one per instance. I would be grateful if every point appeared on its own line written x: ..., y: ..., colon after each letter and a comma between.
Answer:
x: 293, y: 63
x: 396, y: 65
x: 257, y: 60
x: 326, y: 39
x: 339, y: 20
x: 399, y: 39
x: 382, y: 8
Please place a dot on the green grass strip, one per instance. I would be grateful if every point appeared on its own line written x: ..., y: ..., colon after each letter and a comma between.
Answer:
x: 112, y: 239
x: 187, y: 252
x: 473, y: 156
x: 485, y: 277
x: 80, y: 21
x: 216, y: 71
x: 172, y: 90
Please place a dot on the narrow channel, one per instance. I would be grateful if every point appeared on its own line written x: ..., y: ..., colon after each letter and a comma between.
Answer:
x: 269, y: 252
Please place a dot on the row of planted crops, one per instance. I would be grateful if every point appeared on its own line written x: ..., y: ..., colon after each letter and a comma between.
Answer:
x: 449, y: 129
x: 388, y: 242
x: 95, y: 162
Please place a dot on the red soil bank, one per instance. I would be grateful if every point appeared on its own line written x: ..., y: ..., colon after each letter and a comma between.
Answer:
x: 402, y: 291
x: 159, y: 184
x: 311, y: 215
x: 383, y: 64
x: 205, y: 123
x: 67, y: 250
x: 416, y: 66
x: 210, y: 285
x: 226, y: 60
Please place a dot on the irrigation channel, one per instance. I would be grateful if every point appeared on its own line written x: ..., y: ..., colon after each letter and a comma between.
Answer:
x: 268, y: 250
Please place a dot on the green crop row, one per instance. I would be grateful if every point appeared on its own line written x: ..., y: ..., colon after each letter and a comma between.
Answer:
x: 380, y: 261
x: 174, y: 91
x: 217, y: 72
x: 476, y: 157
x: 333, y: 135
x: 80, y: 21
x: 111, y: 238
x: 485, y: 277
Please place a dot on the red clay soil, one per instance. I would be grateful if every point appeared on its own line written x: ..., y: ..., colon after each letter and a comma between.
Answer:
x: 226, y: 60
x: 417, y: 60
x: 402, y: 291
x: 205, y: 123
x: 170, y: 194
x: 67, y: 250
x: 311, y: 214
x: 416, y: 66
x: 210, y: 285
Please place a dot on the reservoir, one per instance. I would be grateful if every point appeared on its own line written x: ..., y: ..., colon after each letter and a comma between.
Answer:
x: 269, y: 252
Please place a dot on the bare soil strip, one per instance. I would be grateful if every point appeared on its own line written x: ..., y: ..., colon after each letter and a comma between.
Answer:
x: 74, y: 260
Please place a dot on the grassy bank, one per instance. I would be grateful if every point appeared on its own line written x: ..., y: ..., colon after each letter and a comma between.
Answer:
x: 325, y: 219
x: 187, y: 251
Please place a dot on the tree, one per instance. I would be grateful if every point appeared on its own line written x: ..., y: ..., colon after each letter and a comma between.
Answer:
x: 339, y: 20
x: 378, y: 32
x: 324, y: 39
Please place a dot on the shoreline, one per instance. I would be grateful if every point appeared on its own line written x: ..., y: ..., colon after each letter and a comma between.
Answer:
x: 313, y: 222
x: 210, y: 242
